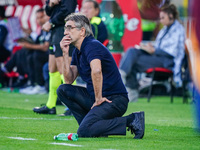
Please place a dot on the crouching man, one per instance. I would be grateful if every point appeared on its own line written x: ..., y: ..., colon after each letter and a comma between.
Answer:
x: 98, y: 108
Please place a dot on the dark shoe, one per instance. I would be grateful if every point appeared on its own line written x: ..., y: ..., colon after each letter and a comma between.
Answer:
x: 67, y: 113
x: 45, y: 110
x: 137, y: 126
x: 19, y: 83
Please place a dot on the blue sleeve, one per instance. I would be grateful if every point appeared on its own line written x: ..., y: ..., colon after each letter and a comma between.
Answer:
x: 3, y: 34
x: 66, y: 7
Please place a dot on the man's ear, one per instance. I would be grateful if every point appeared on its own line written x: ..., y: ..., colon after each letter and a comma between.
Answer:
x: 82, y: 31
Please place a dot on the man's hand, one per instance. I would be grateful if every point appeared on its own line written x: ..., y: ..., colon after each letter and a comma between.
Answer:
x: 64, y: 44
x: 53, y: 2
x: 25, y: 45
x: 22, y: 44
x: 47, y: 26
x: 100, y: 101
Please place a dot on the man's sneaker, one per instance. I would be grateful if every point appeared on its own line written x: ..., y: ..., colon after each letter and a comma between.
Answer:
x: 137, y: 125
x: 36, y: 90
x: 44, y: 110
x: 67, y: 113
x: 19, y: 83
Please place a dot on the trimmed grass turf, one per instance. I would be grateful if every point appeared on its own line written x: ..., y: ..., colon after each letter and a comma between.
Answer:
x: 168, y: 126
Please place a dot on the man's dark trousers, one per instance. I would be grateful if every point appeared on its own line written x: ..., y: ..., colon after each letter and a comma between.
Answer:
x: 102, y: 120
x: 35, y: 62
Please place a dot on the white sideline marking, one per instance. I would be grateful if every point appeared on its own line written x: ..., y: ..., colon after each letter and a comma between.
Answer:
x: 65, y: 144
x: 21, y: 138
x: 21, y: 118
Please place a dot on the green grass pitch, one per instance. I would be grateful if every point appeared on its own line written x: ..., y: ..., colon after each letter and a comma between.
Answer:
x: 168, y: 126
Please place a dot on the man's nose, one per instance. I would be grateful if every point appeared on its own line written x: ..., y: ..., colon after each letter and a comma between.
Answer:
x: 66, y: 32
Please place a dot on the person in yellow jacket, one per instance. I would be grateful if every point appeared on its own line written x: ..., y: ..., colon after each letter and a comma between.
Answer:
x: 90, y: 8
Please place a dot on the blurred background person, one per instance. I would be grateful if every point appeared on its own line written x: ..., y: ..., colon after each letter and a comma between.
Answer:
x: 168, y: 52
x: 37, y: 56
x: 31, y: 58
x: 6, y: 44
x: 91, y: 9
x: 17, y: 62
x: 57, y: 10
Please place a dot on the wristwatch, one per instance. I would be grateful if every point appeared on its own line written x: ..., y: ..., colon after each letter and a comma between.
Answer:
x: 52, y: 25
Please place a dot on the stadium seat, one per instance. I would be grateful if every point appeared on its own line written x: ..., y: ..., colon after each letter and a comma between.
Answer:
x: 160, y: 74
x: 11, y: 76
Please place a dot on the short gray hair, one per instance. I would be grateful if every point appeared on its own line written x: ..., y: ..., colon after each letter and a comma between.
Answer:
x: 80, y: 21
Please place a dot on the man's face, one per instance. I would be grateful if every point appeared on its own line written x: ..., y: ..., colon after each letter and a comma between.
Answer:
x: 72, y: 31
x: 88, y: 10
x: 40, y: 19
